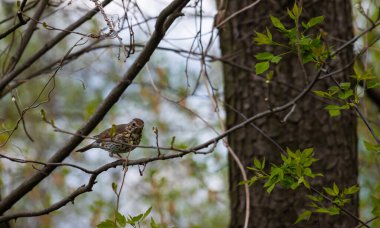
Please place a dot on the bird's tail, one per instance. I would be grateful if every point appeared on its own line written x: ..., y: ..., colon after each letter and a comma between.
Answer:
x: 85, y: 148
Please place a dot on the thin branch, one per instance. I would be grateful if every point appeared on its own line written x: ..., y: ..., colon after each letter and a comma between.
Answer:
x: 88, y: 187
x: 22, y: 118
x: 24, y: 161
x: 118, y: 195
x: 367, y: 124
x: 341, y: 208
x: 163, y: 22
x: 367, y: 222
x: 47, y: 46
x: 237, y: 13
x: 13, y: 28
x: 28, y: 33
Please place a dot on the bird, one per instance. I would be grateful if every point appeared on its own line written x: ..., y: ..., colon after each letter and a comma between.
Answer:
x: 122, y: 138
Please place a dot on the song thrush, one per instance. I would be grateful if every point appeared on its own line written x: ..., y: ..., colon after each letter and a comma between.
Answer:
x: 122, y: 138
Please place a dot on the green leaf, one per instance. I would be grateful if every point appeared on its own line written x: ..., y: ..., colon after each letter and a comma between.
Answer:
x: 322, y: 94
x: 262, y: 39
x: 351, y: 190
x: 346, y: 94
x: 277, y: 23
x: 329, y: 191
x: 147, y: 212
x: 270, y: 188
x: 106, y: 224
x: 345, y: 85
x: 333, y: 110
x: 296, y: 11
x: 153, y: 223
x: 269, y: 76
x: 263, y: 164
x: 336, y: 189
x: 305, y: 182
x: 264, y: 56
x: 331, y: 210
x: 372, y: 84
x: 121, y: 219
x: 305, y: 41
x: 261, y: 67
x: 333, y: 89
x: 276, y: 59
x: 308, y: 151
x: 291, y: 15
x: 253, y: 180
x: 304, y: 216
x: 314, y: 21
x: 257, y: 163
x: 249, y: 182
x: 114, y: 187
x: 315, y: 198
x: 284, y: 158
x: 304, y: 25
x: 137, y: 218
x: 269, y: 35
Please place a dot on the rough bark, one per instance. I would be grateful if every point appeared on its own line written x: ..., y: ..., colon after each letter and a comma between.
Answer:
x: 334, y: 139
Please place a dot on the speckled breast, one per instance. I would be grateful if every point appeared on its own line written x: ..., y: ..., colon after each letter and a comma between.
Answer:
x: 121, y: 143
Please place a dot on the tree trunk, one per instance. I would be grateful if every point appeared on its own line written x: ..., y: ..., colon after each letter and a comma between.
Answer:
x: 334, y: 139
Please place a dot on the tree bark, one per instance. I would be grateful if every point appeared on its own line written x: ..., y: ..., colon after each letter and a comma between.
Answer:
x: 334, y: 139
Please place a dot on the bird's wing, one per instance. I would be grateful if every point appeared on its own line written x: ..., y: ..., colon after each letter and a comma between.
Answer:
x: 106, y: 134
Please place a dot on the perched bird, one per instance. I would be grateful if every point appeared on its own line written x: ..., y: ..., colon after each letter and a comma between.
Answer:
x: 119, y: 139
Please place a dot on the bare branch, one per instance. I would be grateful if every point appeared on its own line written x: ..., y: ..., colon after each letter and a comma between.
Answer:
x: 13, y: 74
x: 163, y: 22
x: 28, y: 33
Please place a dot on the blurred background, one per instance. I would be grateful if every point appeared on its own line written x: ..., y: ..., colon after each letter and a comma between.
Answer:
x: 171, y: 93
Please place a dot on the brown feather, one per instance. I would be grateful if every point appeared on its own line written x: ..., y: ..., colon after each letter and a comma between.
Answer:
x: 106, y: 134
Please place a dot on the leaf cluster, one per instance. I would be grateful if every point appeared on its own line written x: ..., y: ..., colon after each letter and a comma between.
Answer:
x: 294, y: 171
x: 300, y: 41
x: 122, y: 221
x: 342, y: 95
x: 339, y: 199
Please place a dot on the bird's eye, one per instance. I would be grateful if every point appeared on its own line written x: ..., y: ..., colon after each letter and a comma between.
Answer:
x: 133, y: 124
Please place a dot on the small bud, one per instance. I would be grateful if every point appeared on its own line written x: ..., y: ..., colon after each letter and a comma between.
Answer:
x: 114, y: 187
x: 43, y: 115
x: 155, y: 130
x: 113, y: 130
x: 172, y: 142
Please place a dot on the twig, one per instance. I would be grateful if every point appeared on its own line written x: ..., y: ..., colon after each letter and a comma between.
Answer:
x: 341, y: 208
x: 28, y: 33
x: 118, y: 195
x: 161, y: 23
x: 48, y: 45
x: 19, y: 160
x: 367, y: 222
x: 289, y: 113
x: 367, y: 124
x: 155, y: 130
x: 88, y: 187
x: 22, y: 118
x: 237, y: 13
